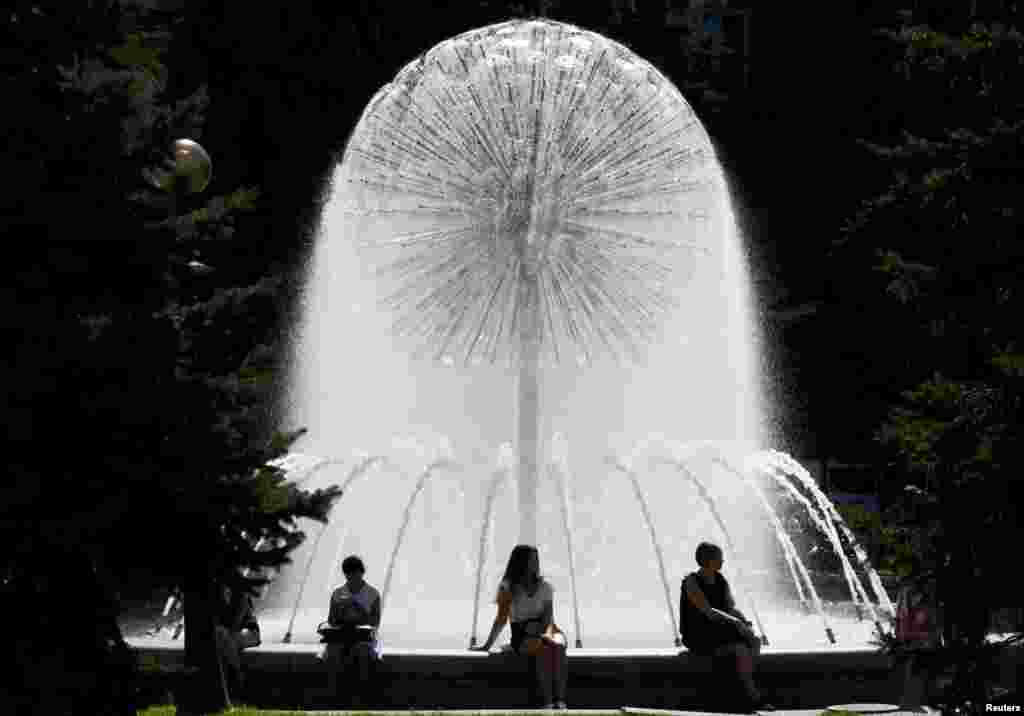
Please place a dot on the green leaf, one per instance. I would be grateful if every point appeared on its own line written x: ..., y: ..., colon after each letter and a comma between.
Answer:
x: 244, y: 198
x: 271, y: 491
x: 1011, y: 364
x: 133, y: 53
x: 936, y: 179
x: 256, y: 376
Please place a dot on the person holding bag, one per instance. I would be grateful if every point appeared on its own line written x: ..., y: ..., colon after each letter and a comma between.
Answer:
x: 527, y: 599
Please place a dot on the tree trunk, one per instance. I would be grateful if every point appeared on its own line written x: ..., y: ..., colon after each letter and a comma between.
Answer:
x: 206, y: 688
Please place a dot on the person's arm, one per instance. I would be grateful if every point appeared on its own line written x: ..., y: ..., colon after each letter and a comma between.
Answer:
x: 500, y: 620
x: 333, y: 617
x: 240, y: 612
x: 375, y: 612
x: 548, y: 615
x: 730, y: 607
x: 697, y: 599
x: 550, y: 630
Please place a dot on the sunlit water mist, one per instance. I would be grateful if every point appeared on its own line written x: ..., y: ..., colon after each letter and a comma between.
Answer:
x: 362, y: 389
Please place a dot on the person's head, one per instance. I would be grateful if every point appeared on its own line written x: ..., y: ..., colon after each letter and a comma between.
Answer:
x: 353, y: 569
x: 523, y: 566
x: 709, y: 556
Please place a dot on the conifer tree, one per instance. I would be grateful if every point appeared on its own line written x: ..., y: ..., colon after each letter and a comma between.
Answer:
x: 143, y: 365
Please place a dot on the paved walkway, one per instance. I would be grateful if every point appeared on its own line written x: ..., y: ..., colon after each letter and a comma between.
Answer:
x: 867, y: 709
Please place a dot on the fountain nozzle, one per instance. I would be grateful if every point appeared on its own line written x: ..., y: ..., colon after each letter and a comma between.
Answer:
x: 472, y: 642
x: 579, y: 643
x: 831, y: 635
x: 678, y: 641
x: 764, y: 640
x: 287, y: 638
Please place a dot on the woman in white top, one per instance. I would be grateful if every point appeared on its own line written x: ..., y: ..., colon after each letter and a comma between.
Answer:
x: 527, y: 599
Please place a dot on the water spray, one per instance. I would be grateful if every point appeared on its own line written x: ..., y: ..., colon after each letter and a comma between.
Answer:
x: 505, y: 459
x: 710, y: 503
x: 645, y: 512
x: 560, y: 467
x: 360, y: 468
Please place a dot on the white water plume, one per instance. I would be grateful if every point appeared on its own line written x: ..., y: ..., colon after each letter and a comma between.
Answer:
x: 528, y: 235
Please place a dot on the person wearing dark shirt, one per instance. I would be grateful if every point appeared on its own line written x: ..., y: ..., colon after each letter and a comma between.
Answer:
x: 710, y: 624
x: 235, y: 614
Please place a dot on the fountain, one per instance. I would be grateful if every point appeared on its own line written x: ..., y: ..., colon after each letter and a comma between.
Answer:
x: 529, y: 239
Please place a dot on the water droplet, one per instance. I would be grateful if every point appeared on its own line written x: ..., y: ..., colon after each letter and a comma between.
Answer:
x: 581, y: 43
x: 514, y: 43
x: 567, y: 62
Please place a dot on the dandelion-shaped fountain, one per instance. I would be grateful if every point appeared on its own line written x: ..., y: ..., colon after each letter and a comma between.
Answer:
x: 512, y: 165
x: 529, y: 236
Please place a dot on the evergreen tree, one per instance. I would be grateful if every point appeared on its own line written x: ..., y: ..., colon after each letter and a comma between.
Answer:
x: 143, y: 366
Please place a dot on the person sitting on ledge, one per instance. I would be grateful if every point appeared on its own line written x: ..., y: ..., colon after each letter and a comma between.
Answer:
x: 234, y: 617
x: 526, y: 598
x: 351, y: 639
x: 711, y: 625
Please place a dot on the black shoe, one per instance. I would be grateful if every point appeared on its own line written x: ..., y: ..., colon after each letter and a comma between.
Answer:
x: 754, y: 705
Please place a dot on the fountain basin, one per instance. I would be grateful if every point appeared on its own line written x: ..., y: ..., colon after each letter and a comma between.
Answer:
x: 291, y: 676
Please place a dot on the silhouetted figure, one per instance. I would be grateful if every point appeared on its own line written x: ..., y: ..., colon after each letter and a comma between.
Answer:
x: 710, y: 623
x: 351, y: 640
x: 527, y: 599
x: 919, y: 631
x: 234, y: 620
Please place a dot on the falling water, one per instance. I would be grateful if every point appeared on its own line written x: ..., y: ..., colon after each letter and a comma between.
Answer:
x: 713, y: 509
x: 360, y: 468
x: 787, y: 545
x: 499, y: 478
x: 655, y: 544
x: 412, y: 313
x: 429, y: 471
x: 560, y: 467
x: 792, y: 467
x: 825, y: 526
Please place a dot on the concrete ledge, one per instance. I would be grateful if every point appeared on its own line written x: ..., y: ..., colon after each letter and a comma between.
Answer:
x: 459, y: 662
x: 290, y: 676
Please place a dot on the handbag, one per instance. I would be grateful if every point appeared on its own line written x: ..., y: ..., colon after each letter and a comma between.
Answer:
x: 249, y: 630
x: 249, y: 635
x: 915, y: 623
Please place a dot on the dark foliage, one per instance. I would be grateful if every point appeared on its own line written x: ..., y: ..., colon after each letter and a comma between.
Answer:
x: 942, y: 242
